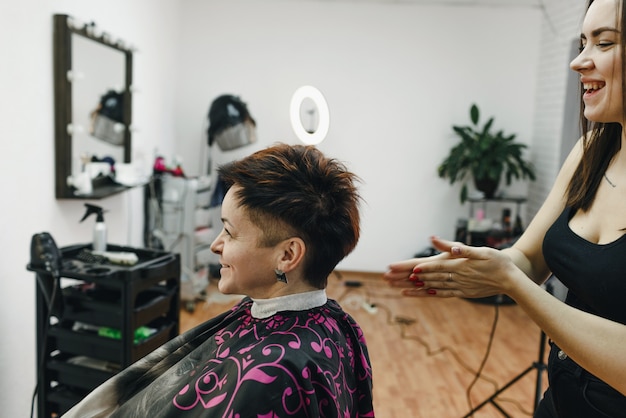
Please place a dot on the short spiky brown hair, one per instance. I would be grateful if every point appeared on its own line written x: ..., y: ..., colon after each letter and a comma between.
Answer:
x: 295, y: 190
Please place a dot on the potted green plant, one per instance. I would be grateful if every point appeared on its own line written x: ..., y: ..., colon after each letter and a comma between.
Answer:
x: 484, y: 156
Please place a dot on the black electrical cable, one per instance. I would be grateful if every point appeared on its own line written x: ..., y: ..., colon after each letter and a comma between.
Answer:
x: 404, y: 322
x: 485, y: 357
x: 42, y: 359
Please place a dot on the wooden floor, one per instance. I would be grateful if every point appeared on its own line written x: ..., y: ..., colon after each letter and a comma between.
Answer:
x: 425, y: 353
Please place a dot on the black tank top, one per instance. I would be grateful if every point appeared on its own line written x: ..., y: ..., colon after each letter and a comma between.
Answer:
x: 594, y: 274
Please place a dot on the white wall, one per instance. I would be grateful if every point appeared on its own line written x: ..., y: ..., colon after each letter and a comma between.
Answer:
x: 422, y: 67
x: 396, y: 77
x: 26, y: 115
x: 551, y: 140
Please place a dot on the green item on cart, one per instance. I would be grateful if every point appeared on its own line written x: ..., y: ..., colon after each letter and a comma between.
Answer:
x: 141, y: 333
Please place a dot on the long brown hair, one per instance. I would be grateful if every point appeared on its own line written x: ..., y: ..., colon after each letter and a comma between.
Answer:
x: 601, y: 141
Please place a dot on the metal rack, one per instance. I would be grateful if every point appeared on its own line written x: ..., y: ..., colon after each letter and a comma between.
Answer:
x: 181, y: 220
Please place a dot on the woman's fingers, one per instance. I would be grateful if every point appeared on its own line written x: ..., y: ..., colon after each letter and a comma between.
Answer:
x: 458, y: 271
x: 403, y: 270
x: 445, y: 246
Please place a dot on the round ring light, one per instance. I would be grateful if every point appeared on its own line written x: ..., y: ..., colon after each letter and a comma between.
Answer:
x: 301, y: 94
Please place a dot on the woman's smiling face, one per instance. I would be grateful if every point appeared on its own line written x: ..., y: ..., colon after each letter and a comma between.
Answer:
x: 600, y: 62
x: 247, y: 267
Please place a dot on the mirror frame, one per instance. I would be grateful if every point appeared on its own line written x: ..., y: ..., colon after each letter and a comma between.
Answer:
x: 63, y: 28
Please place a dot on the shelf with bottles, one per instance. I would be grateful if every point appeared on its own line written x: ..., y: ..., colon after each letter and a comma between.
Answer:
x: 498, y: 230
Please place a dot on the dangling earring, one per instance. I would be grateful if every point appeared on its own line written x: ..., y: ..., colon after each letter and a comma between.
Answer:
x: 280, y: 276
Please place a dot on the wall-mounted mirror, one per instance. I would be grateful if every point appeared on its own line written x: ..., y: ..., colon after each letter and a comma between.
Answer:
x: 92, y: 99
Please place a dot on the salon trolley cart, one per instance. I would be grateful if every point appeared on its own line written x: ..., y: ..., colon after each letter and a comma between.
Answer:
x: 103, y: 317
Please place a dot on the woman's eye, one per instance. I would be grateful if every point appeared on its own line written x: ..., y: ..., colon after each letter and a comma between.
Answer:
x: 601, y: 45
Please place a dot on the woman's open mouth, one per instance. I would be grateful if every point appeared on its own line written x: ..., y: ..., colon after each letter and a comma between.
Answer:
x: 592, y: 88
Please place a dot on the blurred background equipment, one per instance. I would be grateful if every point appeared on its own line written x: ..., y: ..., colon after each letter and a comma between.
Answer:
x: 107, y: 120
x: 230, y: 123
x: 183, y: 213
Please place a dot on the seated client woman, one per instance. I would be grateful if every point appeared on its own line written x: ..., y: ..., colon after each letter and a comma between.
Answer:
x: 290, y: 215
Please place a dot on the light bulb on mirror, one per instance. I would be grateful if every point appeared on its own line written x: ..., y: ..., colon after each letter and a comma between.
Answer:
x: 73, y: 129
x: 75, y: 75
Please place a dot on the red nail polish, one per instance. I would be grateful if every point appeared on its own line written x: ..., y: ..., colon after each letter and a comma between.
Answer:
x: 418, y: 283
x: 417, y: 270
x: 431, y: 291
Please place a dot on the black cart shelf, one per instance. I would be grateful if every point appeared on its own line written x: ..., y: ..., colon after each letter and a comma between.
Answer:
x: 73, y: 358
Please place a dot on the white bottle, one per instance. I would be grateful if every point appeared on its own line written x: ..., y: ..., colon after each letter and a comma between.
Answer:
x: 99, y: 229
x: 100, y: 234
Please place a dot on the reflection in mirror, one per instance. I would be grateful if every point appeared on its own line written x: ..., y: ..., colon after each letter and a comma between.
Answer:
x: 93, y: 76
x: 309, y: 115
x: 95, y: 135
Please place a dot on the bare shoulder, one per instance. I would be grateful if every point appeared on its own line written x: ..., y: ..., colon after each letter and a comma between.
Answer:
x: 530, y: 243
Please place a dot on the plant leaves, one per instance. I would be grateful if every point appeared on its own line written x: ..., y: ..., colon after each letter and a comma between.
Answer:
x: 474, y: 114
x: 484, y: 154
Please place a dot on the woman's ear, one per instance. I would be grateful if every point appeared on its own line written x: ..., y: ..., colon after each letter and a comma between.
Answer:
x: 292, y: 254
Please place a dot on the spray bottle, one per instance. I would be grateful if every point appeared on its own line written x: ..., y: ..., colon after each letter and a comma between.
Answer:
x: 100, y: 229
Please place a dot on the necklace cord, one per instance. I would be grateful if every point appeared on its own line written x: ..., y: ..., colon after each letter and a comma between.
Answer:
x: 613, y: 185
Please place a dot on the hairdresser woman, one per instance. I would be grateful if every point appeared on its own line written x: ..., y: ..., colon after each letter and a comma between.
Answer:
x: 578, y: 235
x: 290, y: 215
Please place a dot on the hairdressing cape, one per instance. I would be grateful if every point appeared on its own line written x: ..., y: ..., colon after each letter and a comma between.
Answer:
x: 310, y: 363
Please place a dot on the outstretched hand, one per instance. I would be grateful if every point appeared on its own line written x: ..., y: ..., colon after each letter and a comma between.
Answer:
x: 458, y: 271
